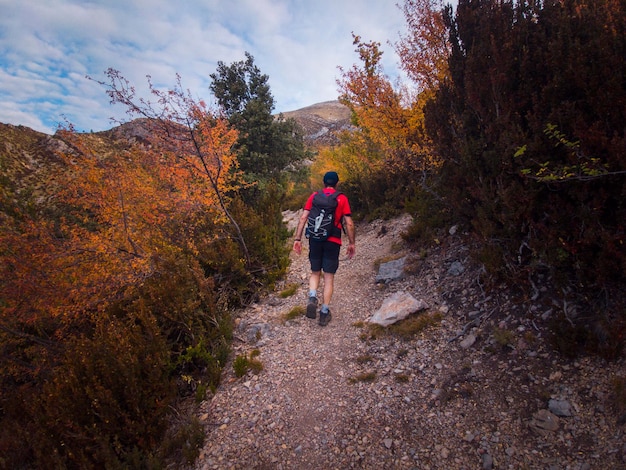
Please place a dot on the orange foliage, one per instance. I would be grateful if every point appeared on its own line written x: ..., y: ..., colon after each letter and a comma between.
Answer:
x: 115, y: 214
x: 394, y: 130
x: 186, y: 131
x: 424, y: 51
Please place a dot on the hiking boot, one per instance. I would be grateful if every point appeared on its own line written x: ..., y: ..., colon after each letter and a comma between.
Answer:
x: 325, y: 318
x: 311, y: 308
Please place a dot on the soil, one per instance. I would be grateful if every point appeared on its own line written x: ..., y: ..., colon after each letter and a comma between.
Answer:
x: 471, y: 390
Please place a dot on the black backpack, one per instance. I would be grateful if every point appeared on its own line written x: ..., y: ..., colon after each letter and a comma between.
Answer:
x: 321, y: 222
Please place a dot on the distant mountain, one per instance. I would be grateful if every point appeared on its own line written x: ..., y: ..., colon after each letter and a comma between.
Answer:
x: 322, y: 121
x: 26, y: 154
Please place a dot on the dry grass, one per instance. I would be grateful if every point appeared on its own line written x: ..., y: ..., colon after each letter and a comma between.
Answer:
x: 368, y: 377
x: 295, y: 312
x: 364, y: 359
x: 405, y: 329
x: 244, y: 363
x: 288, y: 291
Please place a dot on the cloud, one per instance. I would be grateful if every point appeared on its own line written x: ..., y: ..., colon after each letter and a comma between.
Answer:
x: 47, y: 47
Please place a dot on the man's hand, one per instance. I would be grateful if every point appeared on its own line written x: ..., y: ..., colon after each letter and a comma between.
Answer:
x: 351, y: 250
x: 297, y: 246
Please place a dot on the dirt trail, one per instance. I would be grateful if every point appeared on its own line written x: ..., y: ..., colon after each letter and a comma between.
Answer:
x: 430, y: 404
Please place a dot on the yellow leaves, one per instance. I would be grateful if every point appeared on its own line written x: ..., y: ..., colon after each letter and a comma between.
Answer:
x: 390, y: 133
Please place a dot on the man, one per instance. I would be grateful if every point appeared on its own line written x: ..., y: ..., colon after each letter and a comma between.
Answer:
x: 324, y: 255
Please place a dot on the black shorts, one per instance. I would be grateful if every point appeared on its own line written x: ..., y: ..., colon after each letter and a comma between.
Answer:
x: 324, y: 256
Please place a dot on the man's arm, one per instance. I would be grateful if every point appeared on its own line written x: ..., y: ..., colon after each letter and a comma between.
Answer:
x: 297, y: 242
x: 349, y: 225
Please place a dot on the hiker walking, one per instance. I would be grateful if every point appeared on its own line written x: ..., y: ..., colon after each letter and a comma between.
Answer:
x: 326, y: 213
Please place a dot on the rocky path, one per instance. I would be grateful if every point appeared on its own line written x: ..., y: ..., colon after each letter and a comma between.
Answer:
x: 455, y: 396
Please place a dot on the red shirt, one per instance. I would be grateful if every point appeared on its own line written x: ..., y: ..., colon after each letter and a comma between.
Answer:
x: 343, y: 208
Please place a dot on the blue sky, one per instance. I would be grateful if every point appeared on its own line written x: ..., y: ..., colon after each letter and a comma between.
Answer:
x: 47, y: 47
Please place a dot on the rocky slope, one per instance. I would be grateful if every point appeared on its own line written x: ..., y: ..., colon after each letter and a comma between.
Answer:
x: 481, y: 388
x: 322, y: 121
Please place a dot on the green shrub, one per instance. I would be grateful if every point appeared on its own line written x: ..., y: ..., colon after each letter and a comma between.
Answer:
x: 109, y: 390
x: 107, y: 385
x: 503, y: 337
x: 184, y: 440
x: 241, y: 365
x: 430, y: 216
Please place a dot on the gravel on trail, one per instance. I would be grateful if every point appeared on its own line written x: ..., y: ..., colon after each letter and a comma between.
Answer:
x: 481, y: 389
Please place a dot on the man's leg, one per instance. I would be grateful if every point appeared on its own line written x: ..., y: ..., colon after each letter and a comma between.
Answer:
x: 315, y: 257
x: 329, y: 282
x: 330, y: 263
x: 314, y: 280
x: 311, y: 306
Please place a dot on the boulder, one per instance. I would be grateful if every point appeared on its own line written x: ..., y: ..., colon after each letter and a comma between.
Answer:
x: 560, y: 408
x: 391, y: 271
x: 397, y: 307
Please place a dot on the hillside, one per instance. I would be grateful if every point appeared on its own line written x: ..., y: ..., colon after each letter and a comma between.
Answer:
x: 480, y: 388
x: 322, y: 121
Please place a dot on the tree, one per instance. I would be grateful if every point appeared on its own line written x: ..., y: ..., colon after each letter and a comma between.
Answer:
x: 102, y: 299
x: 266, y: 145
x: 424, y: 51
x: 198, y: 140
x: 536, y: 89
x: 390, y: 141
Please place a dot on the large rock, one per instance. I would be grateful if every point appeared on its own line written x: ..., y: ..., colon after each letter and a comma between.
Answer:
x: 397, y: 307
x: 391, y: 271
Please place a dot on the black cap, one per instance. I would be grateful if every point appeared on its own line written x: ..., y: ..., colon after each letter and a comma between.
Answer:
x: 331, y: 178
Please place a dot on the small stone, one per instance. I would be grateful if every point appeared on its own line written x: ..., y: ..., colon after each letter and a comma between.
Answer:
x: 560, y: 407
x: 388, y: 443
x: 468, y: 342
x: 544, y: 422
x: 456, y: 269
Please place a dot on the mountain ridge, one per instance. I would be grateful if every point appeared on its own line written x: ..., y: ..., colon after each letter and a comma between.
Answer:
x: 320, y: 122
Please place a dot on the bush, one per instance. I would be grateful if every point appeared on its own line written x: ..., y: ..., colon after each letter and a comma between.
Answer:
x: 108, y: 383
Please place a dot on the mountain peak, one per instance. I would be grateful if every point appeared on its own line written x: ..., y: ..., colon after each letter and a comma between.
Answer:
x: 321, y: 121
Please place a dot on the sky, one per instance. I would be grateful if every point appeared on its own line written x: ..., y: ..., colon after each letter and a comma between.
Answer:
x: 48, y: 47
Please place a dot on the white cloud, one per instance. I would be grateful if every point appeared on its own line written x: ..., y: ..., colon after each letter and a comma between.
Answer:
x: 48, y: 46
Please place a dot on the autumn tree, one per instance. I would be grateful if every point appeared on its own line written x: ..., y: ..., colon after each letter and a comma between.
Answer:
x: 102, y: 300
x: 389, y: 149
x: 198, y: 140
x: 118, y: 272
x: 425, y: 49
